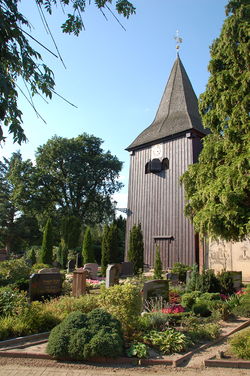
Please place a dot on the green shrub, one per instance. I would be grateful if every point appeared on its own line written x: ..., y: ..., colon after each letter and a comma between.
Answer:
x: 136, y: 248
x: 82, y: 336
x: 61, y: 307
x: 201, y: 309
x: 208, y: 282
x: 170, y: 341
x: 138, y: 349
x: 189, y: 299
x: 219, y: 309
x: 14, y: 272
x: 200, y: 332
x: 157, y: 265
x: 226, y: 283
x: 36, y: 267
x: 243, y: 309
x: 240, y: 344
x: 124, y: 302
x: 46, y: 253
x: 87, y: 247
x: 160, y: 321
x: 181, y: 270
x: 192, y: 283
x: 12, y: 301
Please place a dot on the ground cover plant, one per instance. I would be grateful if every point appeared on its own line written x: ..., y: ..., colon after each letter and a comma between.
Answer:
x: 240, y: 344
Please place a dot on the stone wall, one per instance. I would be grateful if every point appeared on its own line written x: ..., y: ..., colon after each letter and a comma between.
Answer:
x: 229, y: 256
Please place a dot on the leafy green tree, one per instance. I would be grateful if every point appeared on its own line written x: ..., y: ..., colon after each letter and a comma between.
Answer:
x: 217, y: 187
x: 71, y: 229
x: 20, y: 60
x: 105, y: 250
x: 87, y: 247
x: 136, y: 248
x: 158, y: 265
x: 113, y: 241
x: 18, y: 230
x: 47, y: 244
x: 75, y: 177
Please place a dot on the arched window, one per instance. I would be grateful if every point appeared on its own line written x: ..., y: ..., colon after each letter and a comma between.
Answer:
x: 165, y: 164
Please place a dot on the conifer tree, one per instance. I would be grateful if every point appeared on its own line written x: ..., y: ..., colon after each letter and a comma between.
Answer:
x: 157, y: 264
x: 136, y: 248
x: 105, y: 250
x: 47, y: 244
x: 218, y: 186
x: 87, y: 247
x: 113, y: 242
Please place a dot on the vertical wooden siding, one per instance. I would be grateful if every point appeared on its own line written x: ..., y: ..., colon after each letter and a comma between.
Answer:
x: 157, y: 202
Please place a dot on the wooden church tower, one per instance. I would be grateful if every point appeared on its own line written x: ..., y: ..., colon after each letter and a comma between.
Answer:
x: 159, y: 157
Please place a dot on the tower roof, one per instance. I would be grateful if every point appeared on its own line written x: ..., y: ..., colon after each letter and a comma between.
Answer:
x: 177, y: 112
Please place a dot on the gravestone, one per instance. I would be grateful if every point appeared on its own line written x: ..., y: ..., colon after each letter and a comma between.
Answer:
x: 92, y: 268
x: 71, y: 266
x: 156, y: 288
x: 47, y: 282
x: 79, y: 282
x: 112, y: 275
x: 237, y: 279
x: 188, y: 275
x: 173, y: 277
x: 79, y: 260
x: 127, y: 269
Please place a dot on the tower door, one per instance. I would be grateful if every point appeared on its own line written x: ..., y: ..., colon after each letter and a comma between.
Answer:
x: 165, y: 244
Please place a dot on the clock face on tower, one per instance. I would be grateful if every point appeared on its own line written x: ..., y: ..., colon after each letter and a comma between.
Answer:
x: 156, y: 151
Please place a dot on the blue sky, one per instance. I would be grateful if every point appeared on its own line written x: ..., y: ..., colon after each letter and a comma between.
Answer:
x: 116, y: 78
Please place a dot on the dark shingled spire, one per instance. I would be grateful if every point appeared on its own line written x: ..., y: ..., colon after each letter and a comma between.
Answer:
x: 178, y: 110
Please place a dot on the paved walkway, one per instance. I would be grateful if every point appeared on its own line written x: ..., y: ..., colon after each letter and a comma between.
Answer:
x: 19, y: 370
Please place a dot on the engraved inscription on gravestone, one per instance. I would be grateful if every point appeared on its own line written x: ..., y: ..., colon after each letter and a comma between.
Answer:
x: 43, y: 284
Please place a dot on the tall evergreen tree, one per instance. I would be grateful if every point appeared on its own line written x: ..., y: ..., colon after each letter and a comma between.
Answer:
x: 136, y: 248
x: 105, y: 250
x: 47, y: 244
x: 87, y: 247
x: 218, y: 187
x: 157, y: 264
x: 113, y: 242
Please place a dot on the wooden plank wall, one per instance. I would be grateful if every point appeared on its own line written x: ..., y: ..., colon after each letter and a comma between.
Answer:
x: 157, y: 202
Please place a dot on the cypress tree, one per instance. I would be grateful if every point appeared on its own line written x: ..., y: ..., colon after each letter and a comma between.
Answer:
x: 157, y: 265
x: 136, y: 248
x: 105, y: 250
x: 47, y: 244
x: 113, y: 243
x: 87, y: 247
x: 217, y: 187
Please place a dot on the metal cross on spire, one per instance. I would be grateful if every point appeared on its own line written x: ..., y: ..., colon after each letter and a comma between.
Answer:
x: 178, y: 41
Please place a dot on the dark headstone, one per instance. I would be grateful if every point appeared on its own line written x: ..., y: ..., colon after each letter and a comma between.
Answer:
x: 112, y: 274
x: 92, y: 268
x: 173, y: 277
x: 237, y: 279
x: 127, y: 269
x: 79, y: 260
x: 157, y: 288
x: 45, y: 284
x: 71, y: 266
x: 79, y: 282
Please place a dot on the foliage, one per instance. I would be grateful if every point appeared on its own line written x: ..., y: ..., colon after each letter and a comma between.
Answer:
x: 14, y: 272
x: 36, y: 267
x: 124, y: 302
x: 20, y: 60
x: 243, y: 309
x: 158, y: 265
x: 120, y: 222
x: 160, y: 321
x: 62, y: 306
x: 12, y: 301
x: 203, y: 331
x: 181, y: 270
x: 46, y: 256
x: 136, y: 248
x: 82, y: 336
x: 31, y: 256
x: 226, y: 283
x: 71, y: 228
x: 17, y: 230
x: 192, y: 282
x: 217, y: 187
x: 240, y: 344
x: 105, y: 250
x: 189, y: 299
x: 138, y: 349
x: 75, y: 177
x: 87, y: 247
x: 207, y: 282
x: 170, y: 341
x: 201, y: 309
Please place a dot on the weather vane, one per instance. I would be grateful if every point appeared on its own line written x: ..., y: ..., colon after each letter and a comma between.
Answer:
x: 178, y: 40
